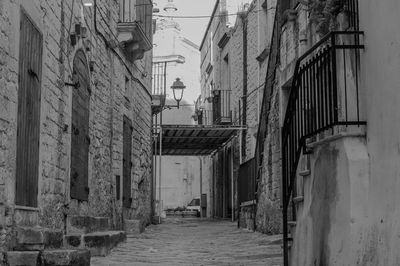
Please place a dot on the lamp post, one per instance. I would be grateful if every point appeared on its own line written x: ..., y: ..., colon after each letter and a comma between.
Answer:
x: 177, y: 89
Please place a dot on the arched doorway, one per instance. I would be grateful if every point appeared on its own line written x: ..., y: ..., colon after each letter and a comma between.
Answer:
x: 80, y: 129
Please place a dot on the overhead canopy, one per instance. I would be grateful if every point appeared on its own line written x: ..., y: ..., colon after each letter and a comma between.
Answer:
x: 194, y: 140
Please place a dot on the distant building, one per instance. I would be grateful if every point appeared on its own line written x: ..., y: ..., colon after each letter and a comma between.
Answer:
x: 181, y: 54
x: 177, y: 57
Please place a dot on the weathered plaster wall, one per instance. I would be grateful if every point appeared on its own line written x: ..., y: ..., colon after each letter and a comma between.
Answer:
x: 354, y: 221
x: 331, y: 221
x: 380, y: 63
x: 108, y: 102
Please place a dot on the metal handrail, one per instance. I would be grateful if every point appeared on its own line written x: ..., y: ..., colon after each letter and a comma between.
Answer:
x: 319, y: 100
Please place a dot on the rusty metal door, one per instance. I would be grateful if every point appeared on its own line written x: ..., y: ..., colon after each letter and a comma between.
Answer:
x: 28, y: 120
x: 80, y: 129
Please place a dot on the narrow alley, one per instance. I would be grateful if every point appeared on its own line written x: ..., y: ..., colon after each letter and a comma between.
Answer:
x: 196, y: 242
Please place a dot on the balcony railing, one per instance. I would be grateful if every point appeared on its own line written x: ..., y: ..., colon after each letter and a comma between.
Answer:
x: 324, y: 94
x: 135, y: 33
x: 139, y: 11
x: 159, y: 86
x: 222, y: 107
x: 159, y: 78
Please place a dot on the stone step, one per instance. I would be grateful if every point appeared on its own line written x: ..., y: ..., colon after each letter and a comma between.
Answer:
x: 133, y: 226
x: 37, y: 238
x: 22, y: 258
x: 54, y: 257
x: 99, y: 243
x: 86, y: 224
x: 66, y: 257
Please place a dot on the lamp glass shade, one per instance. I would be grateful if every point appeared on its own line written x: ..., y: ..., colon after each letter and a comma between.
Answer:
x: 177, y: 88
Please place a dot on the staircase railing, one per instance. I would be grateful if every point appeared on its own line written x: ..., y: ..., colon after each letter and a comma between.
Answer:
x: 324, y: 94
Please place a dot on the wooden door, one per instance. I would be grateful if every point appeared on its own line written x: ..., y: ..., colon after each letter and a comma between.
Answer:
x: 80, y: 129
x: 28, y: 120
x: 127, y: 162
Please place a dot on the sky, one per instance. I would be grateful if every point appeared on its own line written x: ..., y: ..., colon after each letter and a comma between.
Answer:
x: 192, y: 28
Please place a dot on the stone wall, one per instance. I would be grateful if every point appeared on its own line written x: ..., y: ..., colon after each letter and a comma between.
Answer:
x: 110, y: 99
x: 253, y: 25
x: 267, y: 214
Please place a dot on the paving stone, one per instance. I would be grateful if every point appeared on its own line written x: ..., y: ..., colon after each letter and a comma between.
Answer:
x: 195, y: 241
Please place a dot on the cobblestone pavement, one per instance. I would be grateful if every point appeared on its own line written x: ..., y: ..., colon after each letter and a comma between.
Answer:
x: 195, y: 242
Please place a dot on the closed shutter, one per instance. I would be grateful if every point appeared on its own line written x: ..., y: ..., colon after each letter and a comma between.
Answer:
x: 28, y: 121
x: 144, y: 11
x: 80, y: 130
x: 127, y: 162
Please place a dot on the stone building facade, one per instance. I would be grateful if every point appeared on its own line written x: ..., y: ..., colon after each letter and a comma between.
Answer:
x: 235, y: 53
x: 85, y: 77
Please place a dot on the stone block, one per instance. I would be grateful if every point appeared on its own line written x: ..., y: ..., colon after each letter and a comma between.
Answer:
x: 24, y: 218
x: 22, y: 258
x: 101, y: 243
x: 66, y: 257
x: 133, y: 226
x: 72, y: 240
x: 29, y: 235
x: 86, y: 224
x: 53, y: 238
x: 2, y: 194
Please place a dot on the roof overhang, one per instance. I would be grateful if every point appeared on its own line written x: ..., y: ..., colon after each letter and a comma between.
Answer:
x: 189, y: 140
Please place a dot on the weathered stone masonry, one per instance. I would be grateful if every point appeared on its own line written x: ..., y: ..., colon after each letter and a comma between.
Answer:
x: 115, y: 92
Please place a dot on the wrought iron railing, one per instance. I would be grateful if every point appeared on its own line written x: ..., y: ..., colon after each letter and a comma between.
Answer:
x: 351, y: 7
x: 159, y: 78
x: 324, y: 94
x: 222, y: 107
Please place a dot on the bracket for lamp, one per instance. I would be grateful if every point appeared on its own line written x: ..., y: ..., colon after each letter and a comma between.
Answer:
x: 75, y: 81
x: 75, y: 85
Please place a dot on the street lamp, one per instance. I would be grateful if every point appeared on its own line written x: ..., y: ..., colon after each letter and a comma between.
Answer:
x: 177, y: 88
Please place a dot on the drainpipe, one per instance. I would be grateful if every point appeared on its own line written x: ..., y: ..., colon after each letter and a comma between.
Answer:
x: 232, y: 186
x: 259, y: 66
x: 159, y: 173
x: 244, y: 96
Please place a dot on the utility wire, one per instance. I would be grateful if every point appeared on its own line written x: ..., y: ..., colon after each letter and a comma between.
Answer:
x: 208, y: 16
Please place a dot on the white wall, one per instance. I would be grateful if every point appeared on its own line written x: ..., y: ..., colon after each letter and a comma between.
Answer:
x: 381, y: 85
